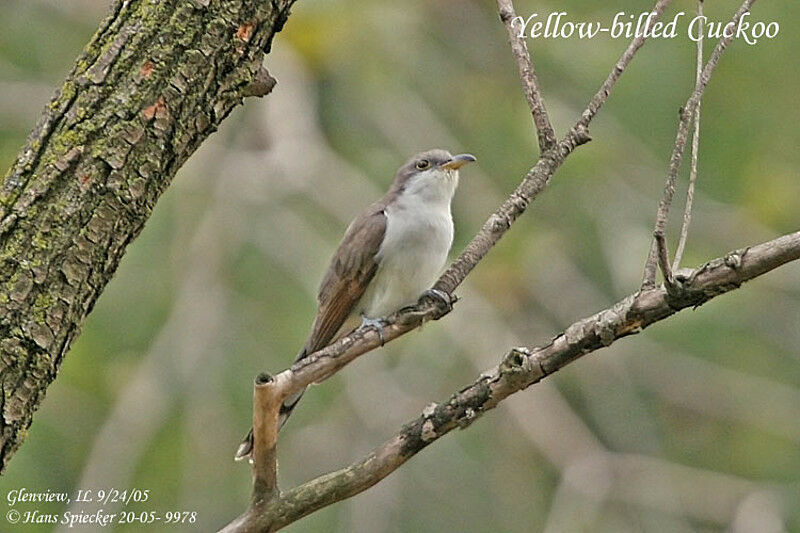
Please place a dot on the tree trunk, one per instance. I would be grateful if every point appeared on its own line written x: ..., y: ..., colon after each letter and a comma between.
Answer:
x: 156, y: 79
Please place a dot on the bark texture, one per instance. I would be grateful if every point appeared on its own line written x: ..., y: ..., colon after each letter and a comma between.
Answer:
x: 271, y: 509
x: 519, y: 368
x: 156, y: 79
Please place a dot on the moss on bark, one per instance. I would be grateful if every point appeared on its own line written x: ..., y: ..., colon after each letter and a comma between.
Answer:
x: 156, y: 79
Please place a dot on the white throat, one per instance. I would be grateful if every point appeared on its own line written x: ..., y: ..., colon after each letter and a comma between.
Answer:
x: 419, y: 233
x: 435, y: 186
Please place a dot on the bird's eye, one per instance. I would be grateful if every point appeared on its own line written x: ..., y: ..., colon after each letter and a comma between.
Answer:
x: 422, y: 164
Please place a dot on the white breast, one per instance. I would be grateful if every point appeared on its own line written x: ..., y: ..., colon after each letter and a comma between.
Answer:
x: 419, y: 233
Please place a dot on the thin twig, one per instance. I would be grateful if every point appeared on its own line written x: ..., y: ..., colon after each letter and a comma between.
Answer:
x: 326, y: 362
x: 539, y: 176
x: 676, y: 159
x: 687, y: 213
x: 363, y: 340
x: 663, y: 259
x: 530, y: 84
x: 601, y: 95
x: 519, y: 369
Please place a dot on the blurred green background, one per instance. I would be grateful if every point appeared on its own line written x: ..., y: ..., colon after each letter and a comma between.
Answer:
x: 692, y: 426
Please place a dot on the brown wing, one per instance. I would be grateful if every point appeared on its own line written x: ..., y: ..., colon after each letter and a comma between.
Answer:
x: 352, y: 268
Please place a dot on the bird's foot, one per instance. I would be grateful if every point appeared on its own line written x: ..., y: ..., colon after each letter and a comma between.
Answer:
x: 442, y: 300
x: 376, y: 324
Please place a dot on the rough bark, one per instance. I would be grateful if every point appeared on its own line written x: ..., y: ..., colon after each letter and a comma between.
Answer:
x: 155, y: 80
x: 519, y: 369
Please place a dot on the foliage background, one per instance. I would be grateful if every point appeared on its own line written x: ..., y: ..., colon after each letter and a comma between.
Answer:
x: 692, y: 426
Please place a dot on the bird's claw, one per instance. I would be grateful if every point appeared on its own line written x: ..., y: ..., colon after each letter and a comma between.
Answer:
x: 376, y: 324
x: 443, y: 300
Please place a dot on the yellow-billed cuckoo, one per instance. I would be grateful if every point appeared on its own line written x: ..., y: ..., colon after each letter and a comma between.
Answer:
x: 389, y: 256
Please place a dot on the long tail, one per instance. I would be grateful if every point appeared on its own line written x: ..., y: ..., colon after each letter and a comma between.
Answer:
x: 245, y: 449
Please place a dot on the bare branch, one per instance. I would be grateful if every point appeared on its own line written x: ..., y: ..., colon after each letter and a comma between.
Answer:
x: 530, y: 84
x: 687, y: 213
x: 663, y: 259
x: 676, y: 159
x: 266, y: 407
x: 512, y: 375
x: 520, y: 368
x: 539, y: 176
x: 602, y: 94
x: 326, y: 362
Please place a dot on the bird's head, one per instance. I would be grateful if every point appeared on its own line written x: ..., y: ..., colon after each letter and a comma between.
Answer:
x: 432, y: 175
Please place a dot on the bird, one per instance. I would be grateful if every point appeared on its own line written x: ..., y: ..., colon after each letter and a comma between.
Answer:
x: 389, y: 255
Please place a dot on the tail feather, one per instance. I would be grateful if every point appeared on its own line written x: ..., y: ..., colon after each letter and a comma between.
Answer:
x: 245, y: 449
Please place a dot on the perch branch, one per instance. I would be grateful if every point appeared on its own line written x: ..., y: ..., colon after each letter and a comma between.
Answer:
x: 687, y: 212
x: 324, y: 363
x: 530, y: 84
x: 266, y: 406
x: 519, y: 369
x: 662, y: 216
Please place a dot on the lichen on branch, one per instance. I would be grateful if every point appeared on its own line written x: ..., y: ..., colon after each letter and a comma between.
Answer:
x: 155, y: 81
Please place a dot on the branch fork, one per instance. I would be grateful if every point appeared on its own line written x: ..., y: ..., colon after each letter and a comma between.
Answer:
x: 689, y: 112
x: 521, y: 366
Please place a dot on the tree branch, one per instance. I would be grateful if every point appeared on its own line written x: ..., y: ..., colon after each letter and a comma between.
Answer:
x: 521, y: 368
x: 601, y: 96
x: 266, y: 408
x: 663, y: 259
x: 527, y: 74
x: 687, y: 212
x: 676, y: 159
x: 539, y: 176
x: 155, y: 80
x: 326, y: 362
